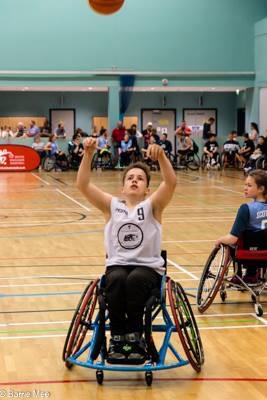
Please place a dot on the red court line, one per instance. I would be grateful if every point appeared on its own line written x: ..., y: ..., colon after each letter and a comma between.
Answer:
x: 17, y: 383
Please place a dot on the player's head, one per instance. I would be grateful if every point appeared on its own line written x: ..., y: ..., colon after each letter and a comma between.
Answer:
x: 256, y: 184
x: 136, y: 180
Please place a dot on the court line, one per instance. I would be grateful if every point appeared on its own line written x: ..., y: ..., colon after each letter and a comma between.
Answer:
x: 44, y: 284
x: 3, y: 296
x: 226, y: 189
x: 182, y: 269
x: 72, y: 199
x: 50, y: 276
x: 200, y: 328
x: 157, y: 379
x: 40, y: 179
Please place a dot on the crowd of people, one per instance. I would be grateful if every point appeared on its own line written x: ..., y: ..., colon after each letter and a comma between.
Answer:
x: 125, y: 146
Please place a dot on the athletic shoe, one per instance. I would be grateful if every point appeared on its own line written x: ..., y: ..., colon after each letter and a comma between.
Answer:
x: 136, y: 348
x: 115, y: 351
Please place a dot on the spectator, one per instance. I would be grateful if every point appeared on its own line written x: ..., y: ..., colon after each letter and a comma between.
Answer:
x: 246, y: 150
x: 207, y: 128
x: 254, y: 132
x: 165, y: 144
x: 33, y: 130
x: 60, y: 131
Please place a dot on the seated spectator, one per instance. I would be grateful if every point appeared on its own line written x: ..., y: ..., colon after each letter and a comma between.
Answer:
x: 155, y: 135
x: 103, y: 141
x: 46, y: 128
x: 6, y: 132
x: 39, y: 147
x: 126, y: 151
x: 165, y: 144
x: 230, y: 149
x: 211, y: 151
x: 75, y: 150
x: 94, y: 132
x: 146, y: 134
x: 60, y: 131
x: 246, y: 150
x: 261, y: 150
x: 20, y: 130
x: 33, y: 130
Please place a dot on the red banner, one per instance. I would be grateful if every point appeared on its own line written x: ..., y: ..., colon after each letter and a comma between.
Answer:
x: 15, y: 157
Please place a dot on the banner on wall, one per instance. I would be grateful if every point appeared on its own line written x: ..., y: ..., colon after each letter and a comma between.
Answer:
x: 18, y: 158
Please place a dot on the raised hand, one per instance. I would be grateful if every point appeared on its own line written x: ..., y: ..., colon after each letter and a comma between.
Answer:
x: 154, y: 152
x: 90, y: 145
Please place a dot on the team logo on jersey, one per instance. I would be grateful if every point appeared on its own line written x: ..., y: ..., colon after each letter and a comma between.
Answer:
x: 130, y: 236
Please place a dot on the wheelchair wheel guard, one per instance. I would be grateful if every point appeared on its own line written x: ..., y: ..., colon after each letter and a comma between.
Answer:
x: 212, y: 277
x: 81, y: 320
x: 185, y: 324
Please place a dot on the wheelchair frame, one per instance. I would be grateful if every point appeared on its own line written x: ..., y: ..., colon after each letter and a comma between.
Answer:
x: 182, y: 321
x: 215, y: 277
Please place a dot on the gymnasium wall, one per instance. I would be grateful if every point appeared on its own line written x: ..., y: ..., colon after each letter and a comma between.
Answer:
x: 88, y: 105
x: 169, y: 35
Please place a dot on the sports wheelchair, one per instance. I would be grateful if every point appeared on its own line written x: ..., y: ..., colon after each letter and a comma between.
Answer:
x: 55, y: 162
x: 91, y: 321
x: 102, y: 159
x: 205, y: 162
x: 189, y: 160
x: 217, y: 277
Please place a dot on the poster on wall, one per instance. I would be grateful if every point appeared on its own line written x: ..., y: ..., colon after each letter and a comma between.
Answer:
x: 197, y: 120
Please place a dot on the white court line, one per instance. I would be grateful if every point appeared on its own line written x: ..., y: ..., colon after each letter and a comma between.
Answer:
x: 71, y: 198
x: 227, y: 190
x: 49, y: 276
x: 34, y: 323
x: 261, y: 319
x: 40, y: 179
x: 182, y: 269
x: 189, y: 241
x: 208, y: 328
x: 45, y: 284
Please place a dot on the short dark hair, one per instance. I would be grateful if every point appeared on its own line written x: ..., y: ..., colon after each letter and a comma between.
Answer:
x: 139, y: 165
x: 260, y: 177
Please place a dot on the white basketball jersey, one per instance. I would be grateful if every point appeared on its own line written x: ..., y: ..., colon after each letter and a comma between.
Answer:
x: 133, y: 236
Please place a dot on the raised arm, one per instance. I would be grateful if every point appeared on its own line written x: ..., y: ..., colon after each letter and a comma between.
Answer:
x: 162, y: 196
x: 94, y: 195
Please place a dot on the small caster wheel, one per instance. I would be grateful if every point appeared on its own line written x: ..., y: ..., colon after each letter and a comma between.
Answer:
x: 149, y: 378
x: 99, y: 376
x: 259, y: 310
x: 223, y: 296
x: 68, y: 364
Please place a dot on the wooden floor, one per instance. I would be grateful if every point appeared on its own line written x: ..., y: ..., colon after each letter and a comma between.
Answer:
x: 52, y: 243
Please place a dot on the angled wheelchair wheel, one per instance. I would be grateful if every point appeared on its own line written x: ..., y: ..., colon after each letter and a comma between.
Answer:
x: 81, y: 321
x: 212, y: 276
x: 193, y: 162
x: 49, y: 164
x: 185, y: 324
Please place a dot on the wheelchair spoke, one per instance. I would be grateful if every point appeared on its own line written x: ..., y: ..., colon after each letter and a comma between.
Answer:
x: 186, y: 324
x: 212, y: 277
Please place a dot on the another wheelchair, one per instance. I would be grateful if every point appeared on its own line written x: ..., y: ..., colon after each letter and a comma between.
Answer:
x: 206, y: 164
x: 55, y: 162
x: 91, y: 321
x: 102, y: 159
x: 218, y: 277
x: 261, y: 163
